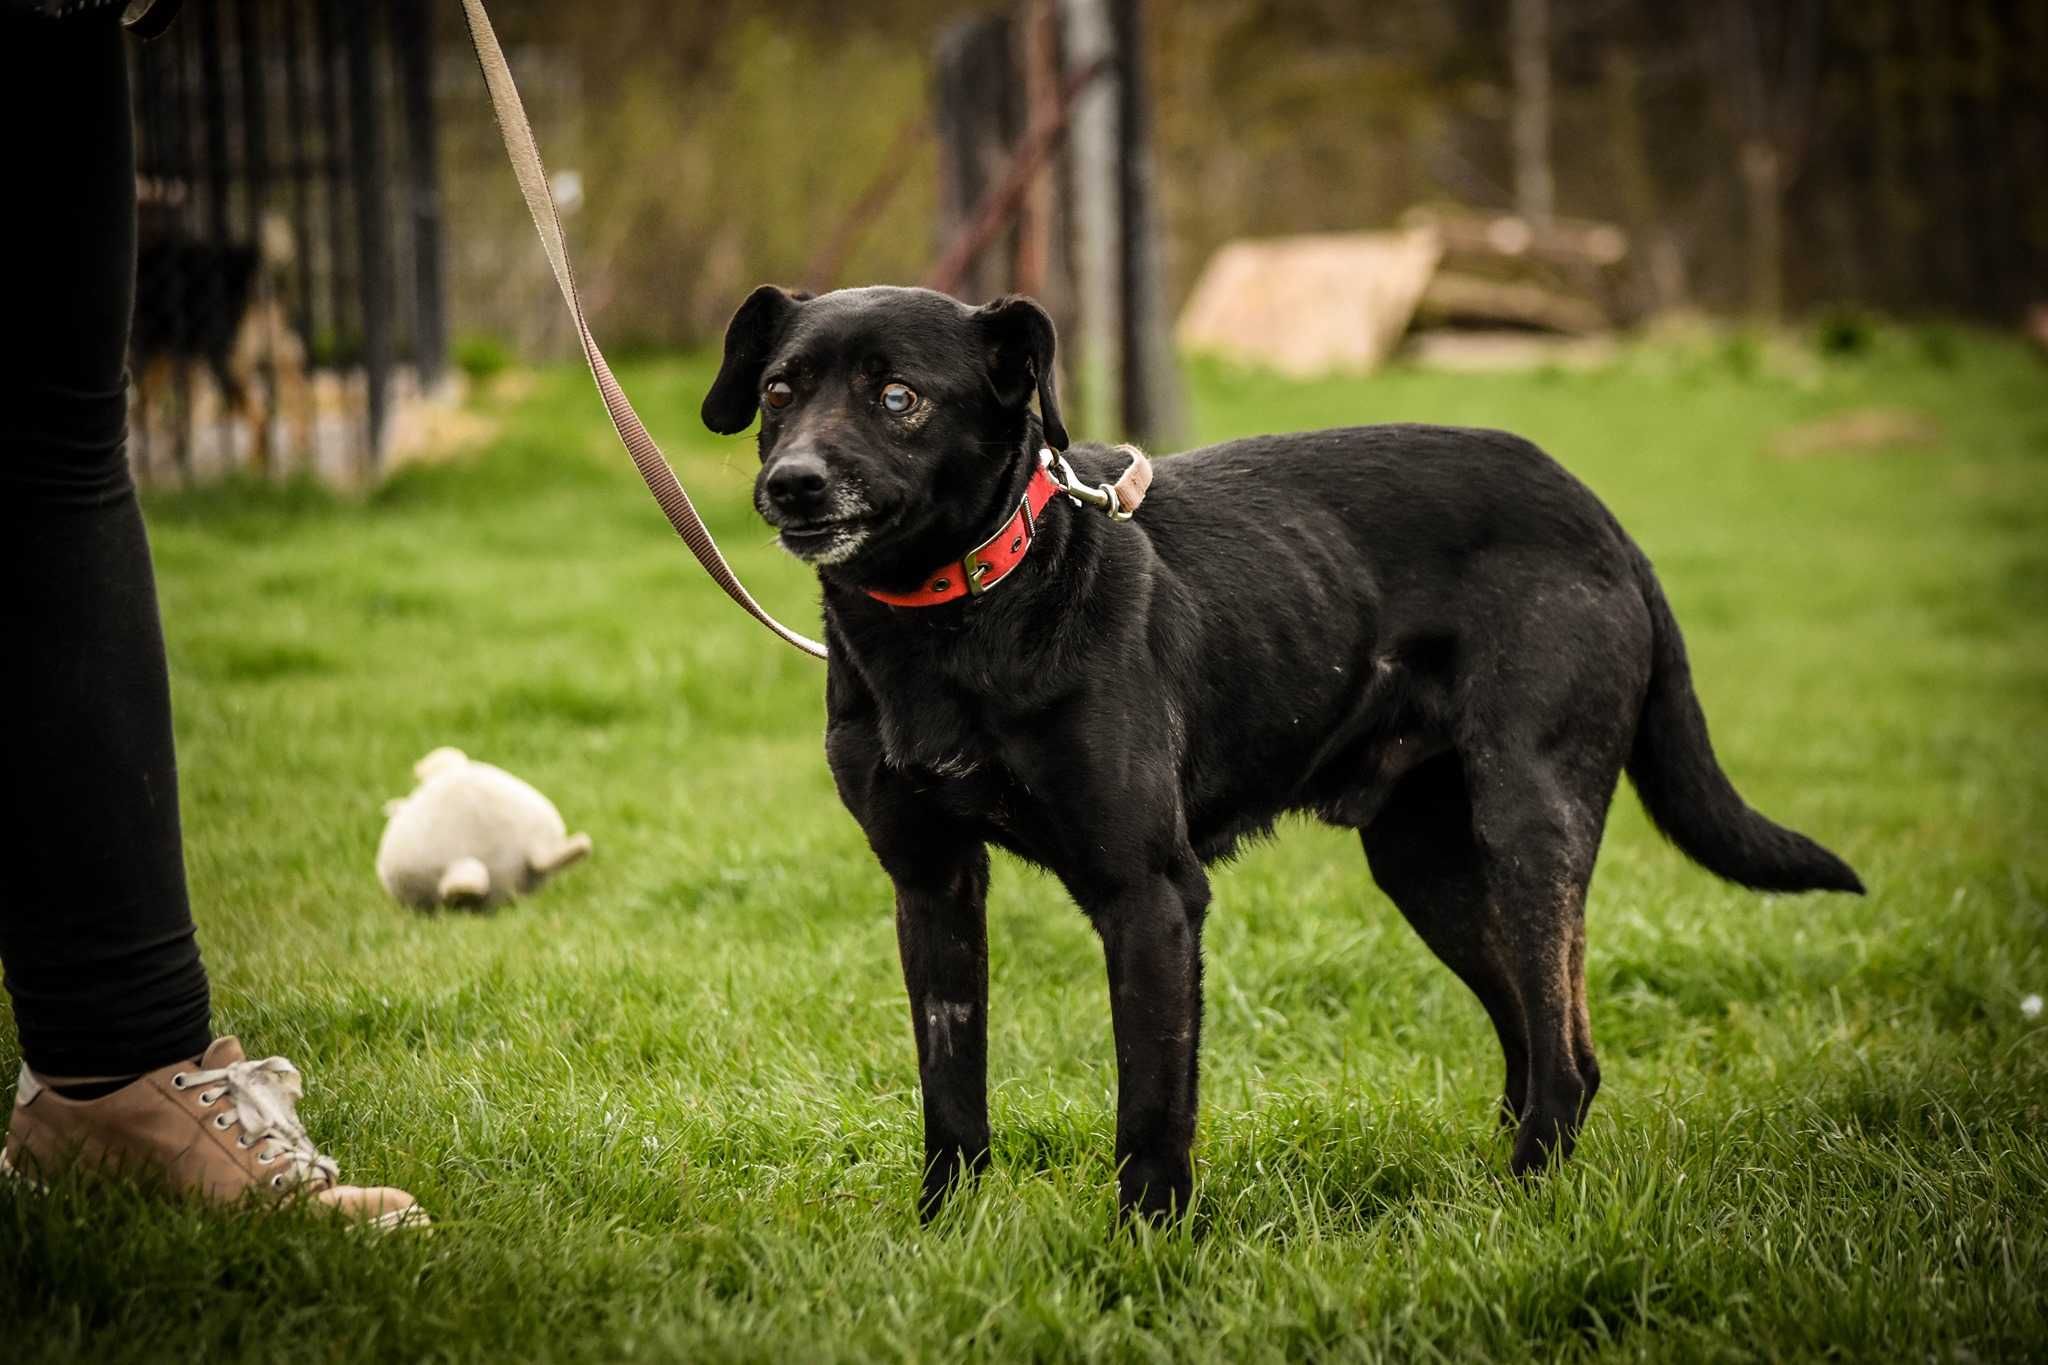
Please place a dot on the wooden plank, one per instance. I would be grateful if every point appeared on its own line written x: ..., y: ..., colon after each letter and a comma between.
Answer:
x: 1456, y: 297
x: 1328, y: 303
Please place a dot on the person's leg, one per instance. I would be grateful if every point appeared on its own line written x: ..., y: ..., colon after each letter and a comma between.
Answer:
x: 95, y: 931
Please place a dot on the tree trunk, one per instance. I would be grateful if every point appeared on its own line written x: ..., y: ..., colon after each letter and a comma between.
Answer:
x: 1039, y: 44
x: 1153, y: 409
x: 1529, y: 55
x: 1764, y: 201
x: 1091, y: 367
x: 978, y: 115
x: 1656, y: 270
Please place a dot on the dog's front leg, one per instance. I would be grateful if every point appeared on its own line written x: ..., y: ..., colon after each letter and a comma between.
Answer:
x: 1152, y: 936
x: 942, y: 934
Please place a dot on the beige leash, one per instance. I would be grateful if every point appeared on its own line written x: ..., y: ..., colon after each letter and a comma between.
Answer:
x: 647, y: 456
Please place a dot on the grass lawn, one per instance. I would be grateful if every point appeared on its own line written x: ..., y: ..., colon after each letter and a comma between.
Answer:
x: 667, y: 1110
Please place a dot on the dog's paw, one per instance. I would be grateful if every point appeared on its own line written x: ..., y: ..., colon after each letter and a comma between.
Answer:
x: 1154, y: 1190
x: 946, y: 1170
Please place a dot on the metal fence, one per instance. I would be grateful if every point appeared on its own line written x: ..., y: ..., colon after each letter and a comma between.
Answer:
x: 290, y: 294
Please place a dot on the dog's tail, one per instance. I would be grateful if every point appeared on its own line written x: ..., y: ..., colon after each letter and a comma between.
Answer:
x: 1691, y: 799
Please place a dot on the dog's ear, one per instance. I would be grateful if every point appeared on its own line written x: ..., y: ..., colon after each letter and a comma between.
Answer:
x: 1020, y: 343
x: 736, y: 394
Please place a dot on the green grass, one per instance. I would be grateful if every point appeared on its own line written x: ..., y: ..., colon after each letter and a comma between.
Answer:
x: 667, y: 1110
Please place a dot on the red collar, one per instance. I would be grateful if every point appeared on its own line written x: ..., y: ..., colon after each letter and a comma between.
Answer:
x: 988, y: 563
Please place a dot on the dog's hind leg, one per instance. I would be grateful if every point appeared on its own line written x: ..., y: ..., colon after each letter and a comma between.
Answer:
x: 1425, y: 857
x: 1542, y: 735
x: 1582, y: 1019
x: 1538, y: 840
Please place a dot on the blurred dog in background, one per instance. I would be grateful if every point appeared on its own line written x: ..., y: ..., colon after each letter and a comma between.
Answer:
x: 213, y: 345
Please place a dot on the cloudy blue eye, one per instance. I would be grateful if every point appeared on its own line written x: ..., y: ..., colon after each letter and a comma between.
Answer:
x: 898, y: 398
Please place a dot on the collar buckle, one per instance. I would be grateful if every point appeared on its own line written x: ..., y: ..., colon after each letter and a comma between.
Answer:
x: 996, y: 558
x: 974, y: 569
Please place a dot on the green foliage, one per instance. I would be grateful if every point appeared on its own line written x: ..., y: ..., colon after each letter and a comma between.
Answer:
x: 667, y: 1110
x: 335, y: 350
x: 1742, y: 354
x: 1844, y: 332
x: 481, y: 357
x: 721, y: 145
x: 701, y: 183
x: 1939, y: 345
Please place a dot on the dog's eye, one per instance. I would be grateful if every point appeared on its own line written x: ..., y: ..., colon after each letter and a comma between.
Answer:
x: 777, y: 393
x: 898, y: 398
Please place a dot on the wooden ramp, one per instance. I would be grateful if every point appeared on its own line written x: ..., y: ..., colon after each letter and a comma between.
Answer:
x: 1333, y: 303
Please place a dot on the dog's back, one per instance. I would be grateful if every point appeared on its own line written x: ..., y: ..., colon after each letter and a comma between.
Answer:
x: 190, y: 300
x: 1323, y: 598
x: 1373, y: 573
x: 1408, y: 496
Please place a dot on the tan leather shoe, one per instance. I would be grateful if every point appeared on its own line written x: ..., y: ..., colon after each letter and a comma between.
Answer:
x: 225, y: 1129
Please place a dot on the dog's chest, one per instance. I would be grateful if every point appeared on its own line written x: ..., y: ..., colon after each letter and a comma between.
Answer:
x: 965, y: 754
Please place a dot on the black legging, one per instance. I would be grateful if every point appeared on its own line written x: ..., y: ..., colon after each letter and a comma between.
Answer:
x: 95, y: 929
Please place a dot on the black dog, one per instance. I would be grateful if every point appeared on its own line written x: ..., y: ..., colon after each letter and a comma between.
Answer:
x: 190, y: 301
x: 1436, y: 637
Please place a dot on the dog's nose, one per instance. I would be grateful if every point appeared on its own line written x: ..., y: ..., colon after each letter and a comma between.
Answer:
x: 797, y: 483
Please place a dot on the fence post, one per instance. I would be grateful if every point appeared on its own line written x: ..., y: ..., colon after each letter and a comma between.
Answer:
x: 976, y: 112
x: 255, y: 190
x: 371, y: 174
x: 413, y: 48
x: 334, y: 176
x: 1151, y: 382
x: 1088, y: 37
x: 295, y: 123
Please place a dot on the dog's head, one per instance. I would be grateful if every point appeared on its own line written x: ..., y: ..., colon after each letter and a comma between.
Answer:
x: 890, y: 418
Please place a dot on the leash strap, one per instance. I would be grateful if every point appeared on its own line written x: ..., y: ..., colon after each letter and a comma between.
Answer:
x: 647, y: 457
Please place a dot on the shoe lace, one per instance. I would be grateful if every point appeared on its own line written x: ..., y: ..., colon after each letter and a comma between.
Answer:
x: 266, y: 1094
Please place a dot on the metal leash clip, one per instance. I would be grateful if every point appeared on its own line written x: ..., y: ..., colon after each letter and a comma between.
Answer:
x: 1102, y: 496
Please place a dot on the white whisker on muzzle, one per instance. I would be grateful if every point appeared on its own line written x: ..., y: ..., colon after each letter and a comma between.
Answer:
x: 834, y: 537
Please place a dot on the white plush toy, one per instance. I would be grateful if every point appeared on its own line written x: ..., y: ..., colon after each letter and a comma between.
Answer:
x: 471, y: 834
